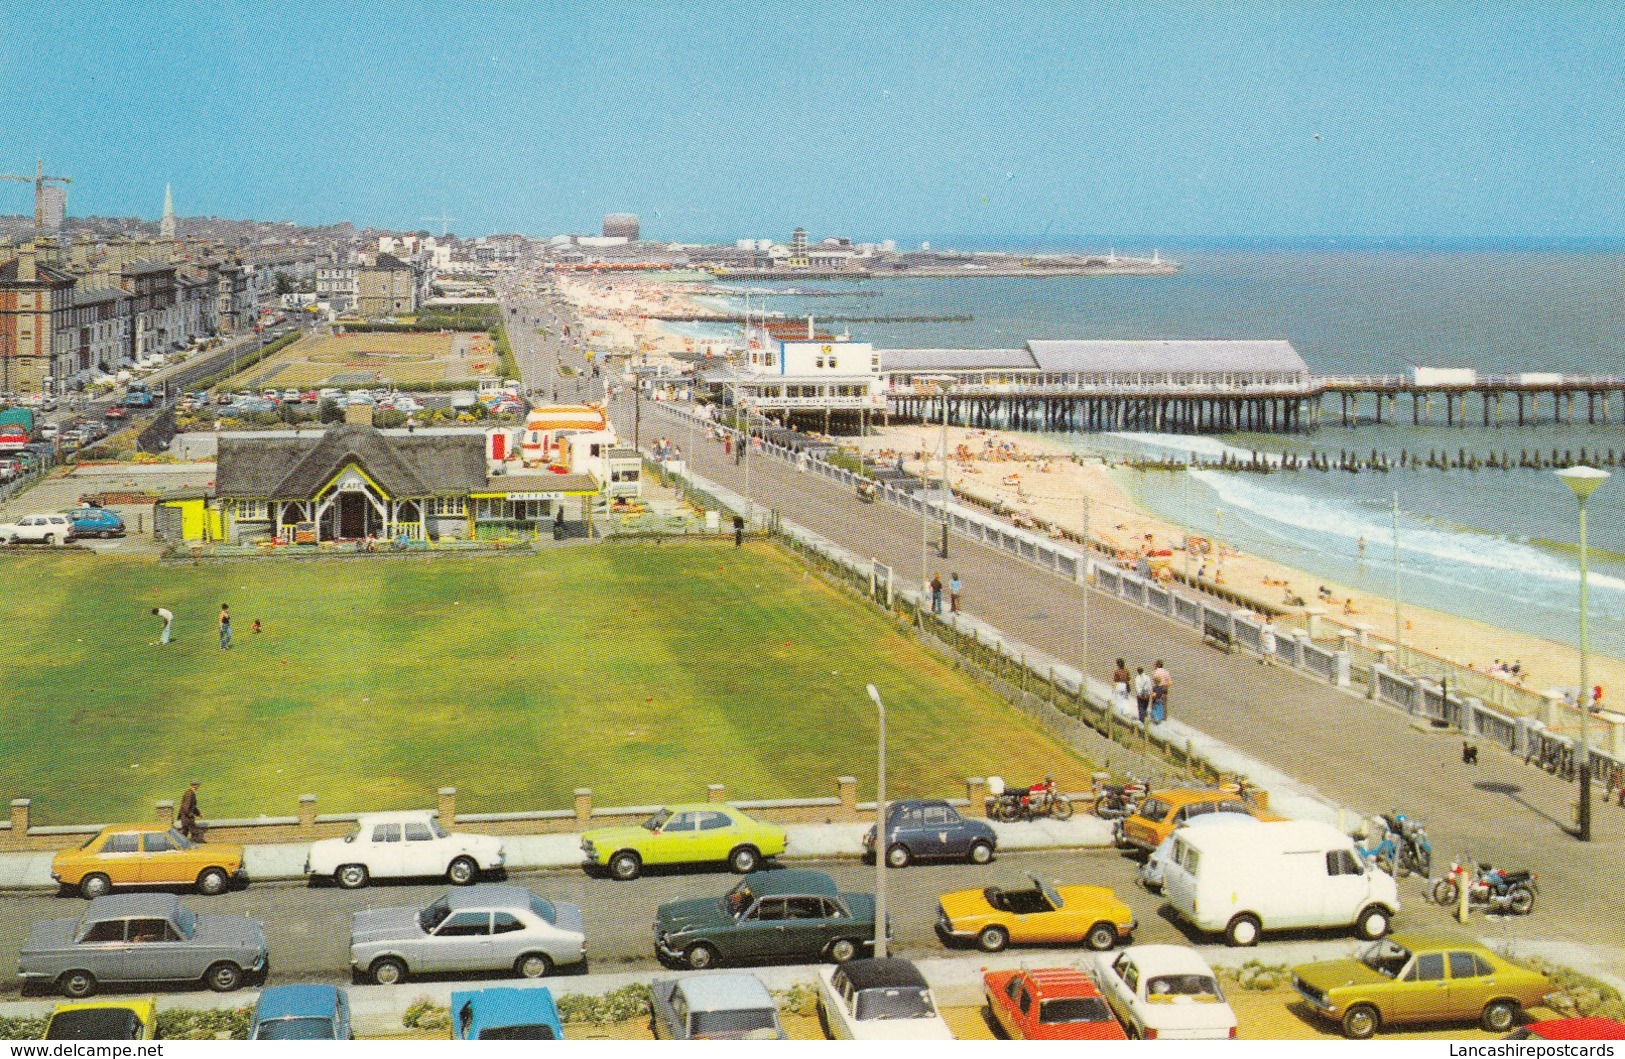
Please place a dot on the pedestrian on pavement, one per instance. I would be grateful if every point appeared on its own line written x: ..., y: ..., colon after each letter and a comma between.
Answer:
x: 186, y: 816
x: 953, y: 593
x: 1120, y: 679
x: 1143, y: 693
x: 225, y: 627
x: 727, y: 445
x: 167, y: 618
x: 1162, y: 682
x: 936, y: 593
x: 1266, y: 641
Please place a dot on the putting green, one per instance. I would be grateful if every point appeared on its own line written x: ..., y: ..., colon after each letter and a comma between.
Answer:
x: 642, y: 672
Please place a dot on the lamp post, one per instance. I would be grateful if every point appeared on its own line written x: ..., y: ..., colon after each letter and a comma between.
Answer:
x: 880, y: 832
x: 942, y: 382
x: 1584, y: 481
x: 947, y: 489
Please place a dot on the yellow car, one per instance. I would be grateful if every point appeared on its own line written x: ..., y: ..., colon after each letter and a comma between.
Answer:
x: 1419, y: 978
x: 147, y: 855
x: 1041, y: 913
x: 1162, y: 811
x: 104, y: 1020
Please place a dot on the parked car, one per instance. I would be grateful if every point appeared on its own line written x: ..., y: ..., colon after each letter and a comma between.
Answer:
x: 47, y: 431
x: 1288, y: 874
x: 147, y: 855
x: 1162, y: 811
x: 1165, y: 992
x: 291, y: 396
x: 770, y: 915
x: 38, y: 529
x: 402, y: 845
x: 104, y: 1020
x: 1593, y: 1028
x: 493, y: 928
x: 684, y: 834
x: 309, y: 397
x: 879, y: 1000
x: 1155, y: 868
x: 715, y: 1007
x: 301, y: 1013
x: 114, y: 413
x: 95, y: 522
x: 1415, y: 977
x: 505, y: 1014
x: 1050, y: 1004
x: 931, y: 828
x: 142, y: 938
x: 1038, y: 914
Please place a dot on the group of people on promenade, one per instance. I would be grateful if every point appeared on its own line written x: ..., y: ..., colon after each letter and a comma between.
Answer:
x: 1149, y: 690
x: 954, y: 586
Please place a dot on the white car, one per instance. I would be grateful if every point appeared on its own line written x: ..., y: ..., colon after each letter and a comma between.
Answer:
x: 47, y: 431
x: 1165, y: 992
x: 1155, y: 868
x: 879, y: 1000
x: 38, y: 529
x: 402, y: 845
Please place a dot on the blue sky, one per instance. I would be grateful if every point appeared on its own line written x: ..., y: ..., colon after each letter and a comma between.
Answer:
x: 1121, y: 121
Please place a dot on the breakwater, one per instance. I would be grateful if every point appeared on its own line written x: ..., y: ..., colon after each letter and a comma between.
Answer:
x: 739, y: 318
x: 1353, y: 462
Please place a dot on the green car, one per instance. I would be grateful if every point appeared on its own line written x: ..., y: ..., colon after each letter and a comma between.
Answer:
x: 683, y: 834
x: 768, y: 916
x: 1419, y: 978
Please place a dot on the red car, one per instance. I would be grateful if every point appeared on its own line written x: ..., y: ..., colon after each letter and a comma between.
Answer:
x: 309, y: 397
x: 1587, y: 1029
x: 113, y: 413
x: 1054, y: 1004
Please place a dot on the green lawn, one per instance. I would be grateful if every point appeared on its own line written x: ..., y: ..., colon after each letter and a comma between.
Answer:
x: 642, y: 672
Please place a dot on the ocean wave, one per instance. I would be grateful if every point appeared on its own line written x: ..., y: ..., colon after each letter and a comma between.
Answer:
x: 1351, y: 520
x: 1185, y: 444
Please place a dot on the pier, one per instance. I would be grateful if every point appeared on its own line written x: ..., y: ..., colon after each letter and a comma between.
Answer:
x: 1516, y: 399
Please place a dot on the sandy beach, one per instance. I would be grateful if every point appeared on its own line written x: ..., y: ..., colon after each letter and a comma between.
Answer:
x: 615, y: 315
x: 1036, y: 481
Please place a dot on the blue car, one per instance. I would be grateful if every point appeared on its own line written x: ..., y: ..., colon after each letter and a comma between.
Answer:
x: 505, y: 1014
x: 95, y: 522
x: 302, y: 1013
x: 931, y: 828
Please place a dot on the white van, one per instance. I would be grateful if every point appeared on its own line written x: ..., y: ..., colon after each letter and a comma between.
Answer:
x: 1277, y: 876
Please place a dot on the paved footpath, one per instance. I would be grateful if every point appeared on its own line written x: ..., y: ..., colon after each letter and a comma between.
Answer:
x: 1355, y: 752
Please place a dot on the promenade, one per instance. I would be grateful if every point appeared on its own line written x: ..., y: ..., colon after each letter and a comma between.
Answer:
x: 1353, y: 751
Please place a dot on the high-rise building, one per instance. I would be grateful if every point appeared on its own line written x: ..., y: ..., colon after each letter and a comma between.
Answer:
x: 798, y: 242
x: 622, y: 225
x: 166, y: 227
x: 53, y: 207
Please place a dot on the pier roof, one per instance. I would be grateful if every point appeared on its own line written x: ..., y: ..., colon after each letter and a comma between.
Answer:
x: 949, y: 359
x: 1168, y: 355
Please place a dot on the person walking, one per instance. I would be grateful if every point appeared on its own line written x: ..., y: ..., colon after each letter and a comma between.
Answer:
x: 1143, y: 693
x: 225, y: 627
x: 186, y: 816
x: 936, y: 593
x: 1162, y: 682
x: 1120, y: 684
x: 1266, y: 641
x: 953, y: 593
x: 164, y: 615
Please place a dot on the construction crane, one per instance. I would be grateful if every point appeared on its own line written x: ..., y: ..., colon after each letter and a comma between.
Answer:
x: 39, y: 180
x: 445, y: 224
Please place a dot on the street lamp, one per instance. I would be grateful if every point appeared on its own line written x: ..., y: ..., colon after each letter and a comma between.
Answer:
x: 943, y: 383
x: 880, y: 833
x: 1584, y: 481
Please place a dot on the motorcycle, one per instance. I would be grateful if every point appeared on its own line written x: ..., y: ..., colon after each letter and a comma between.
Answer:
x: 1027, y: 803
x: 1492, y: 889
x: 1404, y: 849
x: 1118, y: 801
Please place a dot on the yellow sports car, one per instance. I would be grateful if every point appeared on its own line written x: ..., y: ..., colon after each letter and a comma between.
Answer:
x: 1041, y: 913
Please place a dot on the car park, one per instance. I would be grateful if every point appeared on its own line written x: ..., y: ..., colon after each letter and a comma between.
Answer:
x: 147, y: 855
x: 95, y: 522
x: 402, y: 845
x: 879, y: 1000
x: 1040, y: 914
x: 930, y: 828
x: 769, y: 915
x: 301, y: 1013
x: 38, y: 529
x: 104, y: 1020
x: 1165, y: 992
x: 1417, y: 977
x: 505, y: 1014
x: 491, y: 928
x: 1049, y: 1004
x: 142, y: 938
x: 715, y: 1007
x: 701, y: 833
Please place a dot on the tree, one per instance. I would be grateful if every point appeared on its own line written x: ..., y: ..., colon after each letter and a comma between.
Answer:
x: 330, y: 412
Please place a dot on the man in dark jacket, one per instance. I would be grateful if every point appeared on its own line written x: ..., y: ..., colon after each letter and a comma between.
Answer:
x: 187, y: 815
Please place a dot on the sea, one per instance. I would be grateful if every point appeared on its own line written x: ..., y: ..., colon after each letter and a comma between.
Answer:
x: 1497, y: 545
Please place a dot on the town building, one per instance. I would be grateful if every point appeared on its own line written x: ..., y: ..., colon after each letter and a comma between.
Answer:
x: 387, y: 286
x: 621, y: 225
x: 804, y: 375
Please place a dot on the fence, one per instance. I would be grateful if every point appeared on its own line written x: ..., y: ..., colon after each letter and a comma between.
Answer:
x: 1480, y: 707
